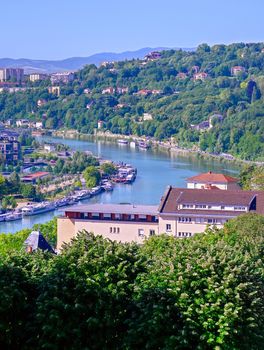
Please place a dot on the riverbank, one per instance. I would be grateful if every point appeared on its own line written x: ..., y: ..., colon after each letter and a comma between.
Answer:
x: 163, y: 145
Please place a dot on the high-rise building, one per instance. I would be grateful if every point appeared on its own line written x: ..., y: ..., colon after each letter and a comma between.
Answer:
x: 11, y: 74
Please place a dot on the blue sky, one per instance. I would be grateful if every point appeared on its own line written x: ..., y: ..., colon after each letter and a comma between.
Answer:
x: 56, y: 29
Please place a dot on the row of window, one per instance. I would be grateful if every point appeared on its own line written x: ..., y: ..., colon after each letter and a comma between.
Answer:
x: 204, y: 206
x: 184, y: 234
x: 197, y: 221
x: 114, y: 230
x: 141, y: 232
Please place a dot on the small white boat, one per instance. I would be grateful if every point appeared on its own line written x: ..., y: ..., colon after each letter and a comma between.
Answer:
x: 122, y: 142
x: 13, y: 216
x: 2, y: 217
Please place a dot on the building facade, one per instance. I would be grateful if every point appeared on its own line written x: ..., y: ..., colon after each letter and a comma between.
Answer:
x: 213, y: 181
x: 10, y: 151
x: 11, y: 74
x: 122, y: 222
x: 182, y: 213
x: 38, y: 76
x: 64, y: 77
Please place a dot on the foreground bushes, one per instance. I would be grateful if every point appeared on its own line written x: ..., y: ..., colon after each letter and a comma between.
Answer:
x: 200, y: 293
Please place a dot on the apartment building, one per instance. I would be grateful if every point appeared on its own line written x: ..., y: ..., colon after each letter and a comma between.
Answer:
x: 9, y: 147
x: 11, y: 74
x: 182, y: 212
x: 121, y: 222
x: 63, y: 77
x: 38, y: 76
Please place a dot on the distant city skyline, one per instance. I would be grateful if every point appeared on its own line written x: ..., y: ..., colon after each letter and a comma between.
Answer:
x: 61, y: 29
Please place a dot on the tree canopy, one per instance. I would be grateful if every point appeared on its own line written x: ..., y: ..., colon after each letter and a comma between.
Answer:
x: 204, y: 292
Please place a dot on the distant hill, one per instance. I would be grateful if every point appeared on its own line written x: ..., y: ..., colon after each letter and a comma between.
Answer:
x: 75, y: 63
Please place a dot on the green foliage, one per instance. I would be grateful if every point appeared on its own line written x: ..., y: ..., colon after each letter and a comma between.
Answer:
x: 12, y: 243
x: 74, y: 165
x: 108, y: 169
x: 204, y: 292
x: 28, y: 191
x: 182, y: 102
x: 3, y: 186
x: 251, y: 177
x: 92, y: 176
x: 9, y: 202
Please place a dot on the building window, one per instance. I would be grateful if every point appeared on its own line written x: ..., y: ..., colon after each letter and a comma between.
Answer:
x: 141, y: 232
x: 239, y: 208
x: 200, y: 206
x: 114, y: 230
x: 168, y: 227
x: 152, y: 232
x: 187, y: 206
x: 111, y: 229
x: 212, y: 221
x: 222, y: 207
x: 184, y: 234
x: 118, y: 230
x: 183, y: 219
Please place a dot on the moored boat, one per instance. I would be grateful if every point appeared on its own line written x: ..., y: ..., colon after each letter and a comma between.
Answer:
x: 122, y: 142
x: 143, y: 145
x: 38, y: 208
x: 13, y: 216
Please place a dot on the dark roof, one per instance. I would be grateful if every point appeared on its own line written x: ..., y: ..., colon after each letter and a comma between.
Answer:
x: 177, y: 196
x: 114, y: 209
x: 212, y: 178
x: 36, y: 241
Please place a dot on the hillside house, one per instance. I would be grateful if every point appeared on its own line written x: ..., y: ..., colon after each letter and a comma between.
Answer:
x: 237, y: 70
x: 200, y: 76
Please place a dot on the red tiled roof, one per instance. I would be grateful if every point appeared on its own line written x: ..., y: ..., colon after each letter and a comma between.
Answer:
x: 212, y: 178
x: 36, y: 175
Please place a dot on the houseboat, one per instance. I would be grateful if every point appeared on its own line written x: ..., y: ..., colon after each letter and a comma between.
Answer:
x: 38, y: 208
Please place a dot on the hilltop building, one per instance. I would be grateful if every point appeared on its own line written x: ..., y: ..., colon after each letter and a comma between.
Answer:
x: 38, y: 76
x: 237, y: 70
x: 64, y: 77
x: 200, y: 76
x: 152, y: 56
x: 54, y: 90
x: 210, y: 199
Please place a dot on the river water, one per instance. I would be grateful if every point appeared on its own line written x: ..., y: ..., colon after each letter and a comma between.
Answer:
x: 156, y: 170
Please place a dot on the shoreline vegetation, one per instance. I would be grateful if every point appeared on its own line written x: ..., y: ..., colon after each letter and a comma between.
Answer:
x: 161, y: 145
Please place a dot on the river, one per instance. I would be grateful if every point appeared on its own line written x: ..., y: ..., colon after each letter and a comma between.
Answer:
x: 156, y: 170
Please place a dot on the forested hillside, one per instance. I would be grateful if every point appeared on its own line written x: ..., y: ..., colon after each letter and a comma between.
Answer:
x: 163, y: 97
x: 204, y: 292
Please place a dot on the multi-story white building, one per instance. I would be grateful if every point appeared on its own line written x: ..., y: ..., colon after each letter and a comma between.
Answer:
x: 213, y: 181
x: 11, y: 74
x: 38, y: 76
x: 63, y: 77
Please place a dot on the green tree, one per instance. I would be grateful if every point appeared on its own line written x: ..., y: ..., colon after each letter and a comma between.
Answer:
x: 9, y: 202
x: 3, y: 186
x: 92, y: 176
x: 108, y: 168
x: 28, y: 191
